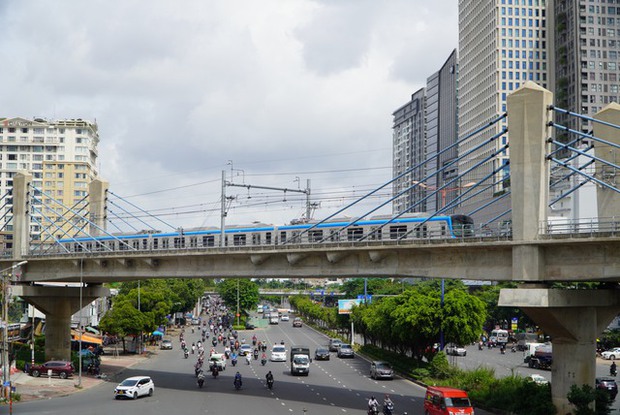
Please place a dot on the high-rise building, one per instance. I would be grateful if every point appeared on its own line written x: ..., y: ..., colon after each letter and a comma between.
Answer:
x: 409, y: 151
x: 502, y: 43
x: 585, y: 54
x: 61, y: 156
x: 441, y: 133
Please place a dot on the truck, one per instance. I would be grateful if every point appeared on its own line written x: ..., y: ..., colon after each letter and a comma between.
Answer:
x: 300, y: 360
x: 523, y: 339
x: 539, y: 356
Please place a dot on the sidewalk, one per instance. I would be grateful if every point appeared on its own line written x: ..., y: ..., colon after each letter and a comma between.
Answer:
x: 31, y: 388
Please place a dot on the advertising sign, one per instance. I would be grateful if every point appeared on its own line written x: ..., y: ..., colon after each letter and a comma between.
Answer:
x: 345, y: 306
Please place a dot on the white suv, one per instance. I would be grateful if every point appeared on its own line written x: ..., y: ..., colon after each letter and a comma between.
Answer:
x: 611, y: 354
x: 134, y: 387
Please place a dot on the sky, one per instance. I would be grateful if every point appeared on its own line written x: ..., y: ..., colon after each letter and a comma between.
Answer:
x: 273, y: 92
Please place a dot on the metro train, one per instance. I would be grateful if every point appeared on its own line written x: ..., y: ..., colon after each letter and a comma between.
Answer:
x: 410, y: 226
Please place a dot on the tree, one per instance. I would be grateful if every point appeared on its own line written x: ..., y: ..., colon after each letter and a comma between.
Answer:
x: 248, y: 293
x: 123, y: 320
x: 463, y: 316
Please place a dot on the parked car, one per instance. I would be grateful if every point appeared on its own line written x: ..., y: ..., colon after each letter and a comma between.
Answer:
x: 345, y: 350
x: 249, y: 326
x: 297, y: 322
x: 454, y: 350
x: 321, y: 353
x: 334, y: 344
x: 166, y: 344
x: 245, y: 349
x: 278, y: 354
x: 538, y: 379
x: 60, y: 368
x: 135, y: 386
x: 381, y: 370
x: 611, y: 354
x: 608, y: 384
x: 219, y: 360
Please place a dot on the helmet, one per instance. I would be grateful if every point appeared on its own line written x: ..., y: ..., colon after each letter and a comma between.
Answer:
x: 372, y: 397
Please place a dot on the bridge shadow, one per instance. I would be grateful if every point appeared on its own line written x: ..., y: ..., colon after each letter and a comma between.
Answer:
x: 286, y: 388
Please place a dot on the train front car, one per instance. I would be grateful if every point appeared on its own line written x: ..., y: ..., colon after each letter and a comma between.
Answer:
x: 462, y: 226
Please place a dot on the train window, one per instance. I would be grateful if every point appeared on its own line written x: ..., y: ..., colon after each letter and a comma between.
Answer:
x: 78, y: 247
x: 112, y: 245
x: 421, y: 232
x: 89, y: 246
x: 256, y: 239
x: 193, y: 242
x: 136, y: 244
x: 156, y: 243
x: 334, y: 235
x: 353, y: 234
x: 208, y: 240
x: 268, y: 238
x: 283, y: 237
x: 375, y: 233
x: 315, y: 235
x: 295, y: 237
x: 397, y: 231
x: 179, y: 242
x: 165, y: 243
x: 239, y: 239
x: 122, y: 245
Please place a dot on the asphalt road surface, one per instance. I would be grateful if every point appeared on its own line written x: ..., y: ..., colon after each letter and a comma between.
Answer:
x: 336, y: 386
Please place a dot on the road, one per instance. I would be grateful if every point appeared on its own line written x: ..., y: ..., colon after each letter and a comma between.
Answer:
x: 509, y: 363
x: 336, y: 386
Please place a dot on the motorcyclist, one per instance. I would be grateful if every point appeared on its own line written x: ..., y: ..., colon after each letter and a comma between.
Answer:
x: 263, y: 359
x: 373, y: 406
x: 193, y: 348
x: 269, y: 378
x: 388, y: 405
x: 233, y: 358
x: 238, y: 380
x: 201, y: 378
x: 612, y: 369
x: 248, y: 358
x: 255, y: 354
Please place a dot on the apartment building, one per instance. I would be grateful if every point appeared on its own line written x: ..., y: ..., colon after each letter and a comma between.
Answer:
x: 61, y: 156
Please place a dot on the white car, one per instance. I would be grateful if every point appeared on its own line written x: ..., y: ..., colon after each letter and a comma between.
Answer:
x: 284, y: 317
x: 537, y: 379
x: 245, y: 349
x: 219, y: 360
x: 611, y: 354
x: 135, y: 386
x: 278, y: 354
x: 454, y: 350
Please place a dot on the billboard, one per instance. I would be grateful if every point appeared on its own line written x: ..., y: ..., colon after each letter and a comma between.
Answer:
x: 345, y: 306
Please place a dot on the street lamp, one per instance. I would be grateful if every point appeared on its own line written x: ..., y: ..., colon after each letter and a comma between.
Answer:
x: 6, y: 375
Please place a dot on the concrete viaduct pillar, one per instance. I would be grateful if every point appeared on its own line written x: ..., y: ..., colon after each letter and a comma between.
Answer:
x: 573, y: 318
x: 58, y: 304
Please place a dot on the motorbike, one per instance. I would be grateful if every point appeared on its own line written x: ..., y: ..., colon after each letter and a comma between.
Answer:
x: 502, y: 350
x: 513, y: 349
x: 388, y: 409
x: 185, y: 353
x: 480, y: 346
x: 373, y: 410
x: 201, y: 380
x: 237, y: 383
x: 263, y: 362
x: 270, y: 383
x: 233, y: 361
x: 613, y: 372
x: 215, y: 371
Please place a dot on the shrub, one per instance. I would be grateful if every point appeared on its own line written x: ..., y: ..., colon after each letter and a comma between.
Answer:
x: 440, y: 367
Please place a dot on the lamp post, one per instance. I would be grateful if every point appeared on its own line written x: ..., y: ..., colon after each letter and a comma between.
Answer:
x: 6, y: 375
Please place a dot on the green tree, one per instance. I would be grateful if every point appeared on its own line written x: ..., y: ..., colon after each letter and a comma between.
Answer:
x: 463, y: 316
x: 248, y: 293
x: 124, y: 319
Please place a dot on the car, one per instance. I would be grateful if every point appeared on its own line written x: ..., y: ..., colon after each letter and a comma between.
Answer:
x: 381, y: 370
x: 611, y: 354
x: 219, y: 360
x: 134, y: 387
x: 537, y: 379
x: 245, y: 349
x: 274, y: 319
x: 607, y: 384
x: 334, y: 344
x: 321, y: 353
x: 297, y: 322
x: 284, y: 317
x: 249, y: 326
x: 60, y: 368
x: 345, y: 350
x: 454, y: 350
x: 166, y: 344
x: 195, y: 322
x: 278, y: 354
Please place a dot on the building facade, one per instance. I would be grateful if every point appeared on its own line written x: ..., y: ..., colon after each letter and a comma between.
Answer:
x: 409, y: 153
x: 502, y: 44
x: 61, y: 156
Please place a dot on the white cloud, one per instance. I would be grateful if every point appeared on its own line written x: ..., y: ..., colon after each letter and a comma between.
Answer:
x: 282, y: 87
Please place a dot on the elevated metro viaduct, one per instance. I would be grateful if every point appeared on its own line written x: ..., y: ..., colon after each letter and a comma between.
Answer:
x: 574, y: 318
